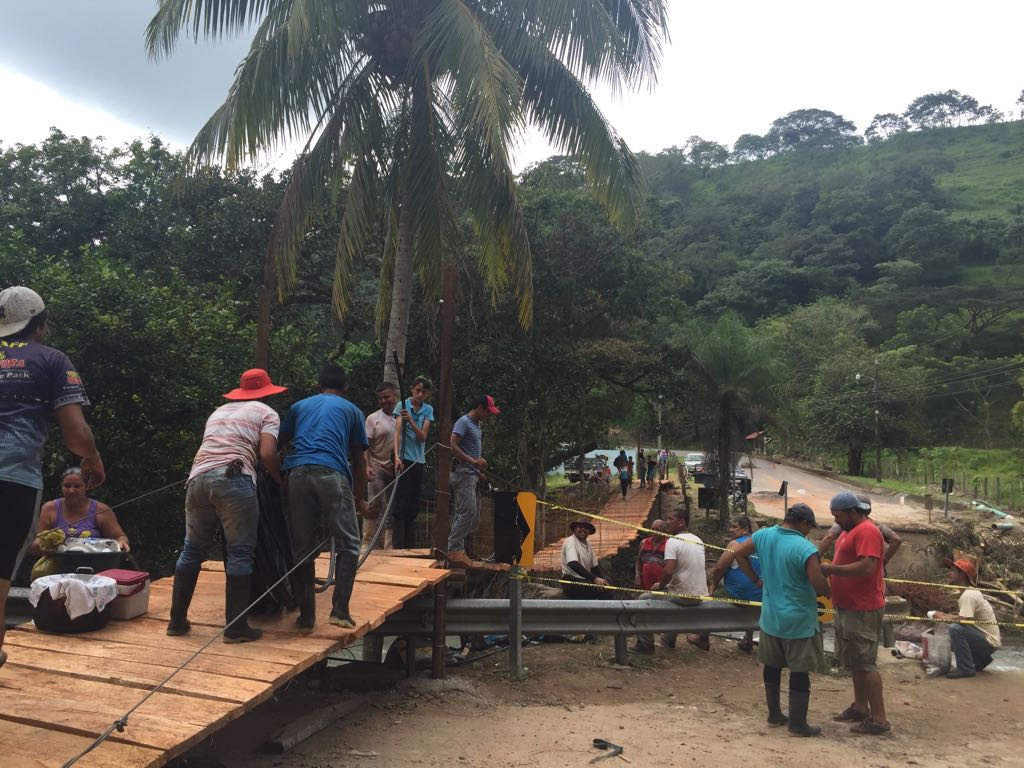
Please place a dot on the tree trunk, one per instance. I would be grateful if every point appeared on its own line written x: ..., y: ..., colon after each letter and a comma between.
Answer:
x: 854, y: 461
x: 724, y: 463
x: 401, y: 298
x: 263, y: 326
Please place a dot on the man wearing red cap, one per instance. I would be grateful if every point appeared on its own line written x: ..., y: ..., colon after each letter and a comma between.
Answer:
x: 972, y: 644
x: 467, y: 464
x: 222, y: 489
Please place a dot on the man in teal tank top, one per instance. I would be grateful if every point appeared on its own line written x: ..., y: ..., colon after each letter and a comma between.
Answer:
x: 790, y: 635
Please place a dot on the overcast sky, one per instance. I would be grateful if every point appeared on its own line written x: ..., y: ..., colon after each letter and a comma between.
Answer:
x: 733, y: 66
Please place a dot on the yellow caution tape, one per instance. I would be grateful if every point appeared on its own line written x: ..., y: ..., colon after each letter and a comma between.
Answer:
x: 667, y: 535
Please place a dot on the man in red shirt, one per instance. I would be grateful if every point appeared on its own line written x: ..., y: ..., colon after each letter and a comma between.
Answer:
x: 858, y: 594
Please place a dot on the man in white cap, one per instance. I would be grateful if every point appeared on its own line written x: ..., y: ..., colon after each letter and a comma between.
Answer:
x: 35, y: 381
x: 222, y: 489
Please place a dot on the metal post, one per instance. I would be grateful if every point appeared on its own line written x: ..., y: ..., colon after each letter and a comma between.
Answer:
x: 621, y: 651
x: 945, y: 507
x: 410, y: 655
x: 515, y: 624
x: 440, y: 648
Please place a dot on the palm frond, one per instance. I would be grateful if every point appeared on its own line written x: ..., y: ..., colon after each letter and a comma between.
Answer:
x: 211, y: 18
x: 558, y: 103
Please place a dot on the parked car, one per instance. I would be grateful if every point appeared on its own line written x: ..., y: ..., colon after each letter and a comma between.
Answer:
x: 693, y: 461
x: 593, y: 469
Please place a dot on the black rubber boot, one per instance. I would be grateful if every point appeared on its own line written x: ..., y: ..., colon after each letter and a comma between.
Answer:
x: 304, y: 589
x: 236, y: 600
x: 773, y: 696
x: 181, y: 598
x: 798, y: 701
x: 344, y: 579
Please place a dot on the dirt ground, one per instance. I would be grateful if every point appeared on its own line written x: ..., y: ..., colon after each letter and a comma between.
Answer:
x: 682, y: 707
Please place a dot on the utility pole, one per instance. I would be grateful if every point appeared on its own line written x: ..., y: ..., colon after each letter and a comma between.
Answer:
x: 878, y: 442
x: 660, y: 398
x: 443, y: 456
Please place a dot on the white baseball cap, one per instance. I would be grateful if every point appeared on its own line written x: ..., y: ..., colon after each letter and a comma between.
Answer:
x: 18, y: 305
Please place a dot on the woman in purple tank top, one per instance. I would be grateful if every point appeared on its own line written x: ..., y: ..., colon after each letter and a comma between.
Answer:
x: 77, y: 515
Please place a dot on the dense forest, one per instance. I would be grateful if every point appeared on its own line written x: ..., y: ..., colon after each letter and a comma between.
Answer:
x: 809, y: 280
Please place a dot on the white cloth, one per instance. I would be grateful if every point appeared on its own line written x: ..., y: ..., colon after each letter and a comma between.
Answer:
x: 689, y: 577
x: 574, y: 550
x: 82, y: 594
x: 973, y: 605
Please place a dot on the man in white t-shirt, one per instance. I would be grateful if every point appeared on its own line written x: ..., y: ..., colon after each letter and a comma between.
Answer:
x: 580, y: 566
x: 972, y: 644
x: 381, y: 426
x: 684, y: 576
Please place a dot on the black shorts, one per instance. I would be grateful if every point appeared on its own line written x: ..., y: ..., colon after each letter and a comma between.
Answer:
x: 19, y: 505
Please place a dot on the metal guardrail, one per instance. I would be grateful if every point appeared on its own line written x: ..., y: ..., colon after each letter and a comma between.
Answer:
x: 598, y: 617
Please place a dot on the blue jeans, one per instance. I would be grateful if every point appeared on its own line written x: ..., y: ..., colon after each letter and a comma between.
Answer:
x: 316, y: 493
x: 970, y: 648
x: 213, y: 498
x: 467, y: 515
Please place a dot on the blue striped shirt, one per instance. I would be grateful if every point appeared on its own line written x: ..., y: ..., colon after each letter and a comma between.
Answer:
x: 470, y: 440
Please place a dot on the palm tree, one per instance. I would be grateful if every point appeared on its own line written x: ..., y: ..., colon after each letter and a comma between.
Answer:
x: 738, y: 374
x: 414, y: 105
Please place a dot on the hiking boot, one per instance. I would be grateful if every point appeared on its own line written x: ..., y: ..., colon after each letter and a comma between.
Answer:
x: 304, y: 590
x: 237, y: 598
x: 798, y: 701
x: 458, y: 559
x: 344, y: 579
x: 773, y: 697
x: 181, y: 598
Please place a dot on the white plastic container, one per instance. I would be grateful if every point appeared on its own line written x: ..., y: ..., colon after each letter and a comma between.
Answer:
x: 132, y: 593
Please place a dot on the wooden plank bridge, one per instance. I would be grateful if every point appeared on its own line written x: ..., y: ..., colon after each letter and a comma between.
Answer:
x: 609, y: 537
x: 59, y: 692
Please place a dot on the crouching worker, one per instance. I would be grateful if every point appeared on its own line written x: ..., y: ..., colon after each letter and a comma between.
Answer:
x: 324, y: 431
x: 222, y: 489
x: 580, y: 566
x: 972, y: 644
x: 790, y: 633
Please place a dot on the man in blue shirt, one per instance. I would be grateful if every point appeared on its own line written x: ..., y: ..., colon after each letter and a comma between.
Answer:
x: 37, y: 382
x: 790, y: 636
x: 415, y: 417
x: 324, y: 431
x: 467, y: 464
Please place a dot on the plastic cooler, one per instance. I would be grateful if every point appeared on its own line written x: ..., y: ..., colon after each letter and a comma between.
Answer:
x: 132, y: 593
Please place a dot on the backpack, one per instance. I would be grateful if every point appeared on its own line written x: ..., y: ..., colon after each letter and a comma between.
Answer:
x: 623, y: 474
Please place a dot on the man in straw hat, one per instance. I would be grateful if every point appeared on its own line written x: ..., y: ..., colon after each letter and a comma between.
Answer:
x: 221, y: 489
x: 580, y: 566
x: 37, y: 382
x: 972, y: 644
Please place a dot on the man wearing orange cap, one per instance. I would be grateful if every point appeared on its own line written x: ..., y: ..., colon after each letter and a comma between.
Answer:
x: 972, y: 644
x: 222, y: 489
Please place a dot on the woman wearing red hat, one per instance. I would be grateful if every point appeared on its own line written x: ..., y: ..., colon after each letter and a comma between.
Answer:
x: 972, y: 644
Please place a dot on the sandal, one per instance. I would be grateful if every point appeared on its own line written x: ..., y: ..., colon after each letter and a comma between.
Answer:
x: 871, y: 728
x: 850, y: 715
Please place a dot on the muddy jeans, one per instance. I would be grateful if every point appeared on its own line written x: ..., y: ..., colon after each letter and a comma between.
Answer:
x: 212, y: 498
x: 317, y: 493
x: 467, y: 514
x: 970, y: 648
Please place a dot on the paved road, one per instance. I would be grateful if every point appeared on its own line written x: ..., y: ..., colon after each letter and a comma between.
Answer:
x: 816, y: 492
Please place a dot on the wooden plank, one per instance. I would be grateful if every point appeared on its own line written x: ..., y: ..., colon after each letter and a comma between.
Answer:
x: 144, y: 675
x: 93, y: 646
x: 311, y: 724
x: 167, y: 721
x: 27, y: 746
